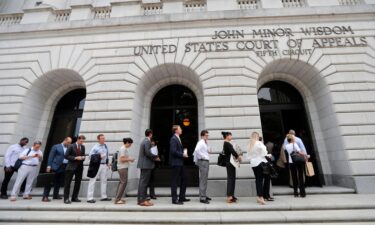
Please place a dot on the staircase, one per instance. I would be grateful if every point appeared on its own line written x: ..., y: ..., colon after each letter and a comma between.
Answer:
x: 320, y: 208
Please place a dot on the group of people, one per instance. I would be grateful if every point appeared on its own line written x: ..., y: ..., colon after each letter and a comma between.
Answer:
x: 65, y: 161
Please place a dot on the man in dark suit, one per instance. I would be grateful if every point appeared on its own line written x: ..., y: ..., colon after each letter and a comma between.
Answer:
x: 146, y: 164
x: 75, y: 154
x: 56, y: 163
x: 176, y: 161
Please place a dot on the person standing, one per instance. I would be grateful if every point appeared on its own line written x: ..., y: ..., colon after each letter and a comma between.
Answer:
x: 29, y: 170
x: 176, y: 161
x: 297, y: 169
x: 123, y: 162
x: 257, y: 154
x: 56, y: 163
x: 145, y: 164
x: 151, y: 184
x: 202, y: 160
x: 101, y: 149
x: 10, y: 158
x: 75, y: 154
x: 231, y: 170
x: 297, y: 140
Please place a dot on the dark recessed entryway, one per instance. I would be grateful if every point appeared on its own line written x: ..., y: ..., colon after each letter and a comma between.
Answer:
x: 66, y: 121
x: 175, y: 104
x: 281, y: 109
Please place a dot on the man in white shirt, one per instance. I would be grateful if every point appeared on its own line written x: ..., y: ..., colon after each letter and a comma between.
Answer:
x: 99, y: 148
x: 10, y: 158
x: 201, y: 159
x: 29, y: 170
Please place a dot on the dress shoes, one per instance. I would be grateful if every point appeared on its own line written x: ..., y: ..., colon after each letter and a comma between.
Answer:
x: 57, y: 198
x: 91, y: 201
x: 76, y: 200
x: 28, y: 197
x: 177, y: 202
x: 185, y: 200
x: 145, y: 203
x: 153, y: 197
x: 67, y: 202
x: 45, y: 199
x: 208, y: 198
x: 204, y: 201
x: 4, y: 196
x: 106, y: 199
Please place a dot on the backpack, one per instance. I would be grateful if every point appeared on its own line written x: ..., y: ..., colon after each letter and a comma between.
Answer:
x: 114, y: 161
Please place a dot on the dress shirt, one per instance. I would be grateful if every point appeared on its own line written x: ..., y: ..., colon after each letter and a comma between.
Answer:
x: 31, y: 161
x: 12, y: 155
x: 100, y: 149
x: 258, y: 154
x: 65, y: 161
x: 201, y: 151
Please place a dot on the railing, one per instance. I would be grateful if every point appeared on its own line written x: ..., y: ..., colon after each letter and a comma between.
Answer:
x: 350, y: 2
x: 152, y: 9
x: 62, y: 15
x: 293, y: 3
x: 102, y: 13
x: 195, y: 6
x: 248, y: 4
x: 10, y: 19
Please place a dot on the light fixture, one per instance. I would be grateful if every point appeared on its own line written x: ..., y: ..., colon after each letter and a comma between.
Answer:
x: 186, y: 122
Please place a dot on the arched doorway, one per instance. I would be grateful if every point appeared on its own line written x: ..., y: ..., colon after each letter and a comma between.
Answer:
x: 281, y: 109
x: 174, y: 104
x: 66, y: 120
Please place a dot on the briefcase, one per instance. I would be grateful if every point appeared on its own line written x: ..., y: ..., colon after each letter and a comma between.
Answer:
x: 45, y: 179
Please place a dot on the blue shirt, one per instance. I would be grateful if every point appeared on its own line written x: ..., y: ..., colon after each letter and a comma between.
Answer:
x: 100, y: 149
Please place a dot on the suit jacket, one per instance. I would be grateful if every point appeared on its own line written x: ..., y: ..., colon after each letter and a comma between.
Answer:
x: 176, y: 152
x: 70, y: 154
x: 56, y: 158
x: 146, y: 158
x: 94, y: 165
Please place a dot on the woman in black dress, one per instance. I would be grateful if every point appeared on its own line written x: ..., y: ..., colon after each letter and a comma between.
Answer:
x: 231, y: 170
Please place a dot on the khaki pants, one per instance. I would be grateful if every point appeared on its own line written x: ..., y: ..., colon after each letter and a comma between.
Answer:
x: 25, y: 172
x: 123, y: 173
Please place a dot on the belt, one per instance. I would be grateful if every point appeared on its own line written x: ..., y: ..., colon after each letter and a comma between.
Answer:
x: 203, y: 160
x: 29, y: 165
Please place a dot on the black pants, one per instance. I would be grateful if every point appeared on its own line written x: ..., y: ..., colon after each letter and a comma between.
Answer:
x: 297, y: 171
x: 7, y: 177
x: 262, y: 182
x: 58, y: 180
x: 151, y: 183
x: 144, y: 179
x: 178, y: 179
x: 77, y: 183
x: 231, y: 179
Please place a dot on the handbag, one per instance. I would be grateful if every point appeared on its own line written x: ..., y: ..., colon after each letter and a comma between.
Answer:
x: 18, y: 163
x: 309, y: 169
x: 221, y: 160
x: 297, y: 157
x: 269, y: 169
x: 114, y: 161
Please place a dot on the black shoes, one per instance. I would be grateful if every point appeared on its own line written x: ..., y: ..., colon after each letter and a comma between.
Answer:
x: 91, y: 201
x: 153, y: 197
x: 67, y: 201
x: 208, y: 198
x: 184, y: 200
x: 177, y: 202
x: 105, y: 199
x: 76, y: 200
x: 4, y: 196
x: 57, y: 198
x: 204, y: 201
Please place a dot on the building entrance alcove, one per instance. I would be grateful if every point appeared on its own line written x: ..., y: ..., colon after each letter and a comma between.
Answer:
x: 174, y: 104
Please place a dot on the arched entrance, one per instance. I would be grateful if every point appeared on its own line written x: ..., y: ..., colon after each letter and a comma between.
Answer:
x: 66, y: 120
x: 281, y: 109
x: 174, y: 104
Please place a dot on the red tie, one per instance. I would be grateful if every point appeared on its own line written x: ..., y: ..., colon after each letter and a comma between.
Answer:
x: 78, y: 150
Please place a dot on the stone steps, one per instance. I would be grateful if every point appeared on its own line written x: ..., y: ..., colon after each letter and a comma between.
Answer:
x: 327, y: 209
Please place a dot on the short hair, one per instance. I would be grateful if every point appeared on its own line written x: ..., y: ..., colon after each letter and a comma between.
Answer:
x: 204, y: 132
x: 226, y: 134
x: 174, y: 128
x: 24, y: 139
x: 292, y: 132
x: 37, y: 143
x: 127, y: 140
x: 148, y: 132
x: 99, y: 135
x: 81, y: 137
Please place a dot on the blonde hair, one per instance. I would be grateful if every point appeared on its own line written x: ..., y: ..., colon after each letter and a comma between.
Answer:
x: 254, y: 137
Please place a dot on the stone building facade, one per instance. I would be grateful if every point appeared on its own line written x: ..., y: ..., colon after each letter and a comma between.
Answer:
x: 121, y: 53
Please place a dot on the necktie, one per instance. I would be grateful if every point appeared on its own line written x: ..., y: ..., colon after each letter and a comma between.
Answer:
x: 78, y: 150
